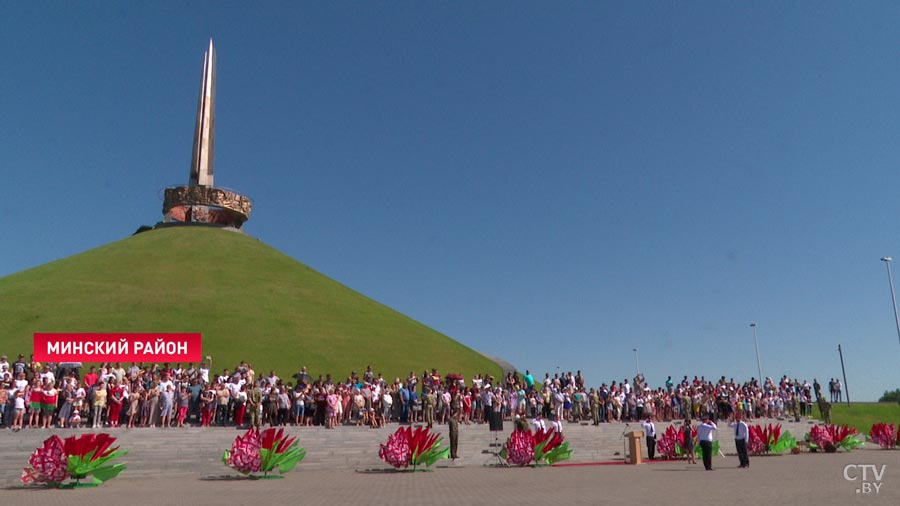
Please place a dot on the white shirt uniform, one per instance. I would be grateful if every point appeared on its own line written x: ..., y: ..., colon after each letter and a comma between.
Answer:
x: 741, y: 430
x: 706, y: 432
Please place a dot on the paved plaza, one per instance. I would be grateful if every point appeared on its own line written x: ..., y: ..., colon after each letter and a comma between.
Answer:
x: 183, y: 467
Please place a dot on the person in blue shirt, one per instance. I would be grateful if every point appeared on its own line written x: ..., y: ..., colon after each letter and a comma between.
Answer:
x: 404, y: 404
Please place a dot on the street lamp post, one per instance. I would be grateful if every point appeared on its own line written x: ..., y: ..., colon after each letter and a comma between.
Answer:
x: 844, y: 372
x: 887, y: 262
x: 758, y: 366
x: 637, y: 364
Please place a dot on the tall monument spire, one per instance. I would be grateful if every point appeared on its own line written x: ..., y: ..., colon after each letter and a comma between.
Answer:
x: 199, y: 201
x: 204, y: 128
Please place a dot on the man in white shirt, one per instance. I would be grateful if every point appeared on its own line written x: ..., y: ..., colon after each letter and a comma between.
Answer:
x: 650, y: 434
x: 487, y: 400
x: 705, y: 435
x: 235, y: 386
x: 204, y: 373
x: 741, y: 436
x: 559, y: 401
x: 445, y: 405
x: 48, y: 375
x: 556, y: 424
x: 165, y: 382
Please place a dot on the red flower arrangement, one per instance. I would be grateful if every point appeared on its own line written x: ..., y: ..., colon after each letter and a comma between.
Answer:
x: 769, y: 439
x: 519, y: 448
x: 264, y: 451
x: 543, y: 447
x: 668, y: 444
x: 396, y: 451
x: 47, y: 464
x: 407, y: 446
x: 550, y: 446
x: 76, y: 457
x: 831, y: 437
x: 883, y: 435
x: 244, y: 455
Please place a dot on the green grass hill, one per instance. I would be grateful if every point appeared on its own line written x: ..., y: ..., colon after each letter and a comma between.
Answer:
x: 249, y: 301
x: 861, y: 415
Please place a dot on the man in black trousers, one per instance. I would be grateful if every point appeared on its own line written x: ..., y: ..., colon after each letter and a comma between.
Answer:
x: 741, y: 435
x: 650, y: 434
x: 705, y: 435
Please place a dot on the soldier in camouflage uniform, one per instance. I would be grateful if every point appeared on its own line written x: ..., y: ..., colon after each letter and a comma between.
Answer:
x: 825, y: 409
x: 428, y: 404
x: 595, y: 407
x: 254, y: 399
x: 453, y: 425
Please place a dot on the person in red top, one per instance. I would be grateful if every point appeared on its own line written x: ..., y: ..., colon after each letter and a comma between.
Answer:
x: 116, y: 398
x: 90, y: 379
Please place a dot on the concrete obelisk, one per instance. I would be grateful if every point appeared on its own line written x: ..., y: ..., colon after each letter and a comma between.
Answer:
x: 205, y: 127
x: 200, y: 201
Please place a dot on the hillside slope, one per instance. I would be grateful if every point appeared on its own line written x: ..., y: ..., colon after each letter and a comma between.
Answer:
x: 249, y: 301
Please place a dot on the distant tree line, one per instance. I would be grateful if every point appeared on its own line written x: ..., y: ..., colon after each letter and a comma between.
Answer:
x: 891, y: 396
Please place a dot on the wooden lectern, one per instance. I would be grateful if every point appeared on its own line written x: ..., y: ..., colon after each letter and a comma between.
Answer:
x: 634, y: 446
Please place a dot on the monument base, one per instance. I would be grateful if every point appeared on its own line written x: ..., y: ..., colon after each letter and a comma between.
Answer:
x: 205, y: 204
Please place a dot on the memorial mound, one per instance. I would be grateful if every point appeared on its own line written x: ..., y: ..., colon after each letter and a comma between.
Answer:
x: 249, y: 301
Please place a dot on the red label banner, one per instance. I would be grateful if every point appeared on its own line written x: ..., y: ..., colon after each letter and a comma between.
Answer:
x: 155, y: 347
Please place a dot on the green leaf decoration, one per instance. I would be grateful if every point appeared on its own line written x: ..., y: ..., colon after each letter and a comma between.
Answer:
x: 850, y: 442
x: 539, y: 450
x: 715, y: 450
x: 107, y: 473
x: 784, y: 444
x: 102, y: 460
x: 288, y: 460
x: 435, y: 454
x: 431, y: 455
x: 265, y: 460
x: 558, y: 454
x: 81, y: 466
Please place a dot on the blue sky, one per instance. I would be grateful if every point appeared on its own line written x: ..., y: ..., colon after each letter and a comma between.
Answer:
x: 554, y: 184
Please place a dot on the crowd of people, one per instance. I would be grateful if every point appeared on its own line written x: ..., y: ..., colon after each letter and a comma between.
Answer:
x: 35, y: 395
